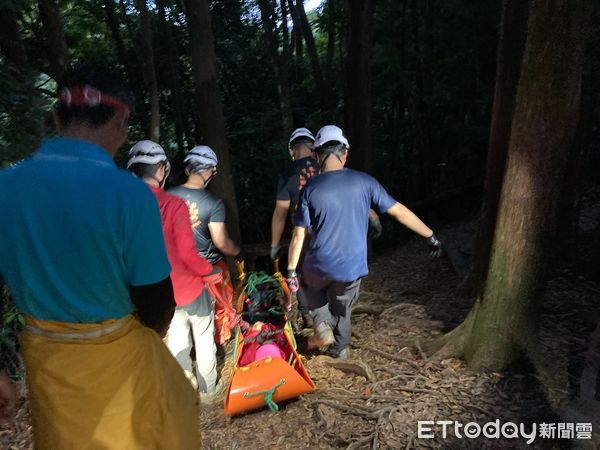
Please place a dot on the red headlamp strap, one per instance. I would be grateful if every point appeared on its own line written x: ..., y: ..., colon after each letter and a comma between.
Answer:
x: 88, y: 96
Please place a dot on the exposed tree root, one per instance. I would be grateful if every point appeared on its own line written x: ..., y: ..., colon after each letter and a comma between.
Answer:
x: 361, y: 412
x: 356, y: 367
x: 386, y: 355
x: 361, y: 442
x: 382, y: 382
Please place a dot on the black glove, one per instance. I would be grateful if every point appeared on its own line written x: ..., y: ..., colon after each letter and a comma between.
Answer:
x: 435, y: 246
x: 375, y: 228
x: 241, y: 256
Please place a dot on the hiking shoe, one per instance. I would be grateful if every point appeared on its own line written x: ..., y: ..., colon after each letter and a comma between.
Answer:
x: 339, y: 354
x: 322, y: 336
x: 210, y: 398
x: 192, y: 379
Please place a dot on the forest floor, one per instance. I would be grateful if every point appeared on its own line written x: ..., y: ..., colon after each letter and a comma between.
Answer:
x: 375, y: 399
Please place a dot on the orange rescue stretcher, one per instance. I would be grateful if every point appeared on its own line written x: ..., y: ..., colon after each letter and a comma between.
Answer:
x: 256, y: 383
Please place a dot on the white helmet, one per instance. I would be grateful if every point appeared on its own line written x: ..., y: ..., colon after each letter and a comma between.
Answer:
x: 201, y: 158
x: 300, y: 133
x: 330, y: 133
x: 146, y: 152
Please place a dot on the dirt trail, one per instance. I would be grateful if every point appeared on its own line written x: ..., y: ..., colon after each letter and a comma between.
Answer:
x: 376, y: 402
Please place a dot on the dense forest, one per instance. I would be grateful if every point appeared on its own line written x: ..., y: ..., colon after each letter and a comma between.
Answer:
x: 413, y: 82
x: 466, y: 111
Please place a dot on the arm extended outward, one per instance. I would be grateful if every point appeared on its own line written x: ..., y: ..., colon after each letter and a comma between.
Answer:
x: 410, y: 220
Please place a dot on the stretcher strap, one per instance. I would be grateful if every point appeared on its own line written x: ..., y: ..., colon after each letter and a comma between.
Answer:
x: 268, y: 395
x: 234, y: 318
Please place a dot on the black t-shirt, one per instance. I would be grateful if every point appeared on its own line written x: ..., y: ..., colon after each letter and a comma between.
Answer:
x: 204, y: 208
x: 293, y: 179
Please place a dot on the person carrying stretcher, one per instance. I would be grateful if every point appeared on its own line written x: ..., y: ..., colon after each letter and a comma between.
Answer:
x: 335, y: 207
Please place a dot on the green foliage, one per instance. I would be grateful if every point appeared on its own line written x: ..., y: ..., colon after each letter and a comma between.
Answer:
x: 432, y: 84
x: 12, y: 323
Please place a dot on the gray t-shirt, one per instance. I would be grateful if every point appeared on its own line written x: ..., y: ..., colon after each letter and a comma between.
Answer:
x: 204, y: 208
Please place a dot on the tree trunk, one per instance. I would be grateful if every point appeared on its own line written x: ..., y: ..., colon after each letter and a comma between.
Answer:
x: 56, y: 45
x: 358, y: 91
x: 511, y: 44
x: 210, y: 106
x: 11, y: 45
x: 285, y: 34
x: 331, y: 33
x: 267, y: 12
x: 570, y: 201
x: 171, y: 54
x: 503, y: 326
x: 149, y: 70
x: 297, y: 30
x: 113, y: 24
x: 322, y: 88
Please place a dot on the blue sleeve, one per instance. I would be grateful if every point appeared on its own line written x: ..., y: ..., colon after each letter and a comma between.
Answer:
x: 302, y: 214
x: 381, y: 201
x: 144, y: 249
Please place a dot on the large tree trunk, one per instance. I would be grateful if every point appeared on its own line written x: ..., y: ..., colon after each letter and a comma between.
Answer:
x: 513, y: 34
x: 267, y: 12
x: 503, y: 326
x: 358, y: 91
x: 149, y: 70
x: 11, y: 45
x: 210, y: 107
x: 56, y: 45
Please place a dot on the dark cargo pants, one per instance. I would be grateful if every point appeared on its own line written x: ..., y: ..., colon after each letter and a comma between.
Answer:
x: 331, y: 301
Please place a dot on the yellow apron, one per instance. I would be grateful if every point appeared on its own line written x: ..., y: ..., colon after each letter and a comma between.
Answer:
x: 112, y: 385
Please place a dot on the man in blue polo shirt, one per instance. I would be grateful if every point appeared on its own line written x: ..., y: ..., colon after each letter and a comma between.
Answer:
x: 82, y: 250
x: 335, y: 207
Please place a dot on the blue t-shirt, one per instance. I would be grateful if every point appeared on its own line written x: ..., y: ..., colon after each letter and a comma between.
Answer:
x: 75, y: 232
x: 335, y: 206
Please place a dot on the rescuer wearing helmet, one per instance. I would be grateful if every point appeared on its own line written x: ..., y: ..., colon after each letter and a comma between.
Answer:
x: 335, y: 206
x: 289, y: 184
x: 207, y: 216
x: 193, y: 314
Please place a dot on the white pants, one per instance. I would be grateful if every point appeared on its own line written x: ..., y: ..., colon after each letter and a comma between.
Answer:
x: 189, y: 330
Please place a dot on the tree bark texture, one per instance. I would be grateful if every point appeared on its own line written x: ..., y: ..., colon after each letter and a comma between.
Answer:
x: 505, y: 320
x: 210, y: 107
x: 149, y: 70
x: 56, y: 45
x: 513, y: 34
x: 358, y: 91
